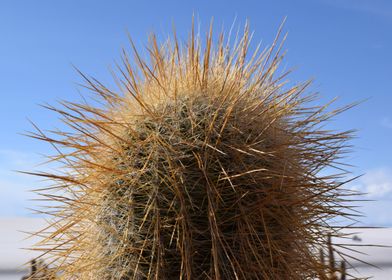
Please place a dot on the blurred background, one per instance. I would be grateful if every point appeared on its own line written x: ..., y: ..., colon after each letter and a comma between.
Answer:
x: 344, y: 45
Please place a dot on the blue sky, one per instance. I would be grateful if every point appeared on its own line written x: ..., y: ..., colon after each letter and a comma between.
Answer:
x: 344, y: 45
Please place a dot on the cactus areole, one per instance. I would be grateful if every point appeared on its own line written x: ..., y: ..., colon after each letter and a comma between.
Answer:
x: 202, y: 164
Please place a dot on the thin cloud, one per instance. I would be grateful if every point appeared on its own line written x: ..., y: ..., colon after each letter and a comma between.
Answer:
x: 378, y: 8
x: 376, y: 183
x: 14, y: 159
x: 14, y: 186
x: 386, y: 122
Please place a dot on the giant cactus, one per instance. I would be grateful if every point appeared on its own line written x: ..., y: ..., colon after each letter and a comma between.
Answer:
x: 203, y: 164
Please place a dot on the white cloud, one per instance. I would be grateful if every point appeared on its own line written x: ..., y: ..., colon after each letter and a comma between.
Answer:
x: 376, y: 183
x: 377, y: 186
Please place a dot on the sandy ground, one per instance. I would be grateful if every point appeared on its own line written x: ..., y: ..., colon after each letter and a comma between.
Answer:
x: 12, y: 256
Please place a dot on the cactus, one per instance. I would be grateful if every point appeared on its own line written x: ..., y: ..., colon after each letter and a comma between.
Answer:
x: 39, y: 271
x: 343, y: 273
x: 204, y: 164
x: 331, y: 270
x: 331, y: 259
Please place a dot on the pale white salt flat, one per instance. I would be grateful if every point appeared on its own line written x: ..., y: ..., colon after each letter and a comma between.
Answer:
x: 12, y: 256
x: 12, y: 241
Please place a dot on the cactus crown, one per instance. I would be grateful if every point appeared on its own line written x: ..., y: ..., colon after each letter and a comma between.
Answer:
x: 203, y: 165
